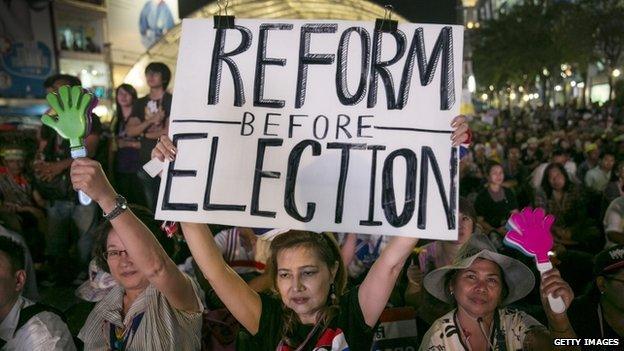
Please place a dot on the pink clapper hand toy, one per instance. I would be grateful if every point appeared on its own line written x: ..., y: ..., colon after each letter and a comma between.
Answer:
x: 530, y: 233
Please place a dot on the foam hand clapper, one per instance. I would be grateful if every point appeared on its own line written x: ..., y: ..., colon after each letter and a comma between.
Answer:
x: 529, y: 232
x: 73, y: 106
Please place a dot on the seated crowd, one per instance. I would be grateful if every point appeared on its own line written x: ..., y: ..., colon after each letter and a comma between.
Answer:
x: 187, y: 286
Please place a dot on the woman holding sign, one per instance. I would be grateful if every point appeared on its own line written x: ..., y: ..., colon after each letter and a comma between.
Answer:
x: 308, y: 309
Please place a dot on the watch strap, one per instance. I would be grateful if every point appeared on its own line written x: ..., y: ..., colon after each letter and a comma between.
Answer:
x: 120, y: 205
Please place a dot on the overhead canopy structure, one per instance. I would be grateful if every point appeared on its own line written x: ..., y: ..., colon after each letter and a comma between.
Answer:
x: 166, y: 50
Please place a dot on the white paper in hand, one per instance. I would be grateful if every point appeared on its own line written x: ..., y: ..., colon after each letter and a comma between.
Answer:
x: 154, y: 167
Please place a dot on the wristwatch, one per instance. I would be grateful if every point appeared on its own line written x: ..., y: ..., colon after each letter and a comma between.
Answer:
x: 120, y: 205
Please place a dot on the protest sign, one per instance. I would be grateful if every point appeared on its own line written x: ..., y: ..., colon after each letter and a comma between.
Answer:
x: 315, y: 125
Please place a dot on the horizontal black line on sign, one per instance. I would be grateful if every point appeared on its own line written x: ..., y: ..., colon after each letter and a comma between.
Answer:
x: 416, y: 130
x: 203, y: 121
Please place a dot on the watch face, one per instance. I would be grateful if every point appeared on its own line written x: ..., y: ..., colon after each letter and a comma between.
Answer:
x: 121, y: 202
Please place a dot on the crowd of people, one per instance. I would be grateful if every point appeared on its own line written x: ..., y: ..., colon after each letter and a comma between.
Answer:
x: 188, y: 286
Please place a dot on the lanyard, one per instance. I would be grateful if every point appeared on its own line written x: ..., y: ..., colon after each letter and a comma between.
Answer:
x: 118, y: 342
x: 497, y: 336
x: 599, y: 310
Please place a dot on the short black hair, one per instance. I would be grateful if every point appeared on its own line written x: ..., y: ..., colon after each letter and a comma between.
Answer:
x: 606, y: 152
x: 144, y: 215
x: 14, y: 252
x: 71, y: 80
x: 491, y: 164
x: 559, y: 152
x: 161, y: 68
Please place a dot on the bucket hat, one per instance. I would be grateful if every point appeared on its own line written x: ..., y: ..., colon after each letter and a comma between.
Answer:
x: 517, y: 276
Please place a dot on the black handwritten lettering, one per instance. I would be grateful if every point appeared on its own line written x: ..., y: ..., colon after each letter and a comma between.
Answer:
x: 267, y: 123
x: 341, y: 125
x: 218, y: 57
x: 342, y: 88
x: 259, y: 173
x: 379, y: 68
x: 344, y: 171
x: 370, y: 221
x: 211, y: 165
x: 428, y: 157
x: 388, y: 200
x: 306, y: 59
x: 443, y: 47
x: 167, y: 205
x: 291, y: 180
x: 249, y: 124
x: 324, y: 135
x: 262, y: 61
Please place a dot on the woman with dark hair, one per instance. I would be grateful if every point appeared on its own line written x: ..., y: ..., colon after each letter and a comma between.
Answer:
x: 495, y: 203
x: 125, y: 151
x: 560, y: 197
x: 154, y: 306
x: 308, y: 309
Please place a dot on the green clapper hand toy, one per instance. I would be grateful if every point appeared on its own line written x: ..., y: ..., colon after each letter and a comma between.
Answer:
x: 73, y: 107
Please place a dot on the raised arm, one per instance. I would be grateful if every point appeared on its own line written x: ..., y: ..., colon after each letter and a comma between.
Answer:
x: 379, y: 282
x: 243, y: 302
x: 146, y: 253
x: 558, y: 323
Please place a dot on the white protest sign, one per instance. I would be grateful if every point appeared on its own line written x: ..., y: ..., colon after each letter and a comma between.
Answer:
x: 316, y: 125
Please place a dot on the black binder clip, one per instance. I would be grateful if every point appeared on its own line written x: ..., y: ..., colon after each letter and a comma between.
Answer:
x: 386, y: 24
x: 222, y: 20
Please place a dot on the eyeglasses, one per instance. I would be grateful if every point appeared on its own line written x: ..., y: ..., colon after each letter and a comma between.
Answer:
x: 114, y: 254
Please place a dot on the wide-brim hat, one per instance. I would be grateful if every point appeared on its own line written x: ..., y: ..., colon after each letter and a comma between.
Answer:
x: 518, y: 277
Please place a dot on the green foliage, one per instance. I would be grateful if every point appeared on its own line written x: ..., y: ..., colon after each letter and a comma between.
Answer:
x: 516, y: 47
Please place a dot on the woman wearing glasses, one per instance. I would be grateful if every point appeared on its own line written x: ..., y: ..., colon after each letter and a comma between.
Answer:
x: 154, y: 306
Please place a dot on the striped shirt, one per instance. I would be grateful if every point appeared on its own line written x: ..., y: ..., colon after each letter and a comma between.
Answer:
x: 43, y: 331
x: 241, y: 253
x: 162, y: 327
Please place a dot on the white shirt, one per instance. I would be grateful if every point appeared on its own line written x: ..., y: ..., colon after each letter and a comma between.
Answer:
x: 45, y: 331
x: 597, y: 179
x: 240, y: 254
